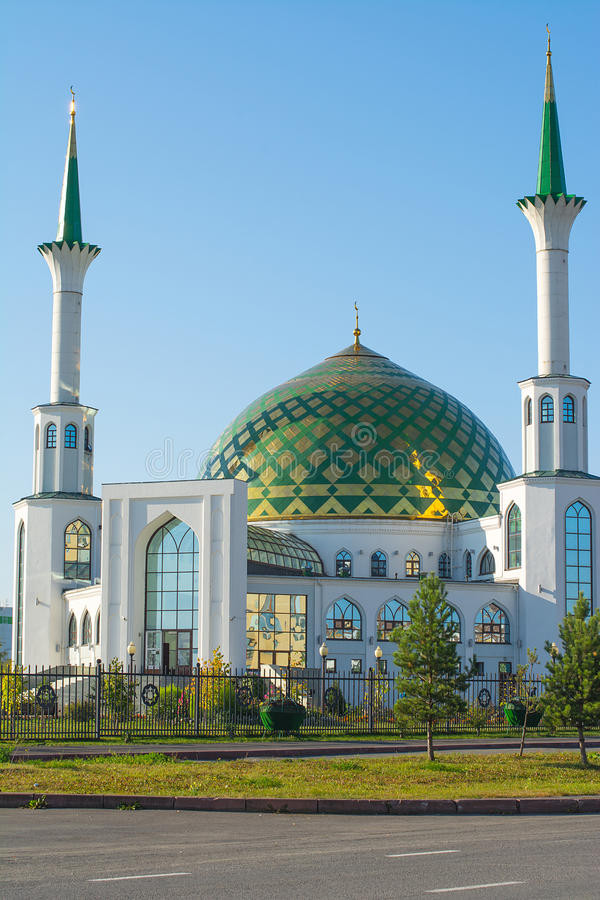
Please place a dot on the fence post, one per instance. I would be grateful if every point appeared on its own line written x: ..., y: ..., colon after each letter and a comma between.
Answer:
x: 370, y: 699
x: 98, y: 697
x: 197, y: 700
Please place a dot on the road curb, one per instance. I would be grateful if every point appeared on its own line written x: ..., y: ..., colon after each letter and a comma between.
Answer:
x: 501, y: 806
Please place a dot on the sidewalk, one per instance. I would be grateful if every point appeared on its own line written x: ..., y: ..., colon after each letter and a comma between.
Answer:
x: 293, y: 749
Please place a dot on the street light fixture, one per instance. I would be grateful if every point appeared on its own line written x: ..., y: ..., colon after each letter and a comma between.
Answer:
x: 131, y: 648
x: 378, y: 653
x: 323, y: 651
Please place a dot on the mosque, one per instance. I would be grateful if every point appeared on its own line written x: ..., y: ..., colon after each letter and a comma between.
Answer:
x: 320, y: 505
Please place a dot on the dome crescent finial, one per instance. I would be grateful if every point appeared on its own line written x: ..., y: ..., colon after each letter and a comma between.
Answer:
x: 356, y: 331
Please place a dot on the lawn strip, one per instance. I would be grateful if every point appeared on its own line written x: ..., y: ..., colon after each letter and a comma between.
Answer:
x: 406, y: 777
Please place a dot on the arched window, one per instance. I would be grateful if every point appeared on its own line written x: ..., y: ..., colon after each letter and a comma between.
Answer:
x: 97, y: 641
x: 343, y: 563
x: 453, y: 623
x: 513, y: 537
x: 468, y: 566
x: 72, y: 631
x: 87, y: 444
x: 343, y: 621
x: 444, y: 569
x: 547, y: 409
x: 491, y: 626
x: 528, y: 414
x: 569, y: 409
x: 487, y: 566
x: 172, y: 598
x: 578, y: 554
x: 392, y: 614
x: 86, y: 629
x: 78, y: 551
x: 378, y: 564
x: 71, y: 437
x: 51, y: 436
x: 413, y: 564
x: 20, y: 584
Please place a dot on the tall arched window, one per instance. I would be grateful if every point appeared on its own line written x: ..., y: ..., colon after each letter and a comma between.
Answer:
x: 20, y: 584
x: 528, y: 413
x: 78, y: 551
x: 172, y: 598
x: 491, y: 626
x: 444, y: 568
x: 343, y: 563
x: 569, y: 409
x: 87, y: 443
x: 513, y: 537
x: 97, y: 641
x: 546, y: 409
x: 343, y: 621
x: 453, y: 623
x: 578, y: 554
x: 72, y: 631
x: 86, y: 629
x: 378, y: 564
x: 51, y: 436
x: 391, y: 615
x: 487, y: 566
x: 468, y: 565
x: 71, y: 437
x: 413, y: 564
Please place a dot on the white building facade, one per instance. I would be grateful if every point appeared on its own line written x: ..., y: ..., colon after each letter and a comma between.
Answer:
x: 320, y: 506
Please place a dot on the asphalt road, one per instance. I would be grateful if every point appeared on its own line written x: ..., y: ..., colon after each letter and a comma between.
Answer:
x: 102, y: 854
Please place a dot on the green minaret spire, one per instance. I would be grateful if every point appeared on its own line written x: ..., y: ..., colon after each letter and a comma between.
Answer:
x: 551, y: 173
x: 69, y: 216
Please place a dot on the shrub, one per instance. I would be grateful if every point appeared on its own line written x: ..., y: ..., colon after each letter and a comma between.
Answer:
x: 173, y: 703
x: 81, y: 710
x: 118, y: 689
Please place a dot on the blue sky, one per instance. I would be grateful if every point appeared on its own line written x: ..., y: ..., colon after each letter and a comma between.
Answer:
x: 249, y: 169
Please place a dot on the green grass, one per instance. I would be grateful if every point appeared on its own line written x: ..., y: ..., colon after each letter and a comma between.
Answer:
x: 455, y: 775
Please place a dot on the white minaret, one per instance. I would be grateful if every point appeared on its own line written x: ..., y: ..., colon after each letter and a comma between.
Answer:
x: 554, y: 402
x: 57, y: 527
x: 63, y: 459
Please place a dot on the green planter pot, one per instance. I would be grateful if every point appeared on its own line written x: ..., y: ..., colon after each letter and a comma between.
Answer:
x: 515, y: 715
x: 285, y: 715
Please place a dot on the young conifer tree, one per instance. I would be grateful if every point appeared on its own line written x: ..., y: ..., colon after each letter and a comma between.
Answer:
x: 572, y: 695
x: 429, y: 675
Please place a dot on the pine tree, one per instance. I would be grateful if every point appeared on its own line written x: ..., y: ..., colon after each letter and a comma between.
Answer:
x: 429, y: 679
x: 572, y: 695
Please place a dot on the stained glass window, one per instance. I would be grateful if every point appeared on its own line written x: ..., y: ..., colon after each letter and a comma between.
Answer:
x: 392, y: 614
x: 578, y: 554
x: 547, y: 409
x: 276, y: 630
x: 413, y: 564
x: 444, y: 569
x: 513, y: 537
x: 343, y: 621
x: 453, y: 622
x: 378, y: 564
x: 468, y: 566
x: 568, y: 409
x: 86, y: 629
x: 343, y: 563
x: 51, y: 436
x: 71, y: 437
x: 72, y: 631
x: 487, y: 566
x: 491, y: 626
x: 78, y: 551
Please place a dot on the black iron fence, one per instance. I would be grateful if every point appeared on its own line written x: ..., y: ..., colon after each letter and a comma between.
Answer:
x: 67, y: 703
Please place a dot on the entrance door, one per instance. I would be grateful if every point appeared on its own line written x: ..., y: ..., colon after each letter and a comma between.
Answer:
x: 176, y: 652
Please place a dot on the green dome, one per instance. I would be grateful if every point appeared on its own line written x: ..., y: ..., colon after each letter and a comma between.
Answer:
x: 359, y: 436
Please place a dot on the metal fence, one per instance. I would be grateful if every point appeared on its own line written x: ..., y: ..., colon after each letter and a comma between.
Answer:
x: 72, y: 703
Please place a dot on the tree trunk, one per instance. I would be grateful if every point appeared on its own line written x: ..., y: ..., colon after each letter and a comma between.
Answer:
x: 524, y: 731
x: 582, y: 750
x: 430, y: 753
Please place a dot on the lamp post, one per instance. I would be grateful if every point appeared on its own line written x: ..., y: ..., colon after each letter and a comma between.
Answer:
x: 378, y: 652
x: 131, y: 651
x: 323, y: 651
